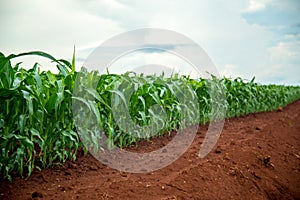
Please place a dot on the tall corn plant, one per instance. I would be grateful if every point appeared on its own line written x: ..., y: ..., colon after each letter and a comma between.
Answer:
x: 131, y: 107
x: 35, y: 117
x: 126, y: 105
x: 249, y: 97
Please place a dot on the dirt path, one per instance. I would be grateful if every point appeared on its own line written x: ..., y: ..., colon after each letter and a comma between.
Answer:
x: 257, y: 157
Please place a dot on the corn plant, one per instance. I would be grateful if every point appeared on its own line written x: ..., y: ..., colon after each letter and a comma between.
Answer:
x: 35, y: 118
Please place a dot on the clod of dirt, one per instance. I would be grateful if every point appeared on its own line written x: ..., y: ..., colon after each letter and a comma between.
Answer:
x: 226, y: 157
x: 266, y: 160
x: 62, y: 188
x: 232, y: 142
x: 68, y: 173
x: 36, y: 195
x: 72, y: 165
x: 218, y: 150
x: 258, y: 128
x: 279, y: 109
x: 255, y: 175
x: 123, y: 174
x: 93, y: 168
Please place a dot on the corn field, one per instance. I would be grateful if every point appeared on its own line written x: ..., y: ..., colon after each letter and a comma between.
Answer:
x: 37, y: 123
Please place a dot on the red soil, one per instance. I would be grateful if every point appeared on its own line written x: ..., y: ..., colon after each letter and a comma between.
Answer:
x: 256, y: 157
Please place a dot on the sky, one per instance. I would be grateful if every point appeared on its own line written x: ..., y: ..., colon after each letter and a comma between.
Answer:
x: 243, y: 38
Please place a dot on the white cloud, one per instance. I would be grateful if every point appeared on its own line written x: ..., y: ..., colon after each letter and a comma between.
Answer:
x: 112, y: 5
x: 285, y: 51
x: 284, y: 59
x: 292, y: 36
x: 256, y: 5
x: 53, y: 27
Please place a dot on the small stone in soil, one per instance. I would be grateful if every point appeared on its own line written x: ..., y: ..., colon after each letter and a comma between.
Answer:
x: 36, y: 195
x: 218, y: 150
x: 93, y: 168
x: 266, y: 160
x: 258, y: 128
x: 67, y: 173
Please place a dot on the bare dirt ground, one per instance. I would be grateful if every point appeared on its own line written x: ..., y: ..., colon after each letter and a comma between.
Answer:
x: 256, y: 157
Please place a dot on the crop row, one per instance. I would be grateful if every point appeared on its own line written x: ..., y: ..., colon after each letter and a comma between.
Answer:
x: 39, y: 110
